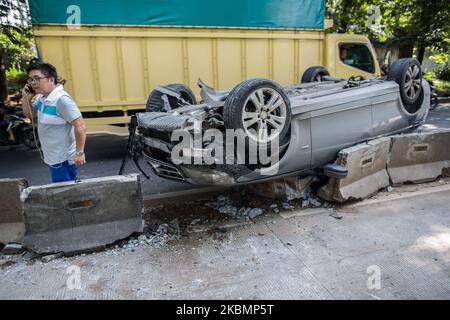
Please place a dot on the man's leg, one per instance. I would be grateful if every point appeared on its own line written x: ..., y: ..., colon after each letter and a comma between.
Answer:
x: 63, y: 172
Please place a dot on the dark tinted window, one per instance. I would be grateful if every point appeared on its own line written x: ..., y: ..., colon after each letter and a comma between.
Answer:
x: 357, y: 56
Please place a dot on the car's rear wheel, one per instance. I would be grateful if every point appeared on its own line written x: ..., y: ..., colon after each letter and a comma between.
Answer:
x: 314, y: 74
x: 408, y: 75
x: 155, y: 102
x: 260, y: 108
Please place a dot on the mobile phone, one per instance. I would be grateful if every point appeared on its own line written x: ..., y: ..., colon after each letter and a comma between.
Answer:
x: 30, y: 89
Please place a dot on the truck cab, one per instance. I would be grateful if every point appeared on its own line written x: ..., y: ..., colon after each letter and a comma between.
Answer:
x: 350, y: 55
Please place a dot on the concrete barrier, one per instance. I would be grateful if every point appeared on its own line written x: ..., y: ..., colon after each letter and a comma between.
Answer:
x: 419, y: 157
x: 69, y: 217
x: 12, y: 227
x: 285, y: 189
x: 366, y: 165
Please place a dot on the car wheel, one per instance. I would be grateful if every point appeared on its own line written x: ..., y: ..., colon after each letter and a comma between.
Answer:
x: 260, y: 108
x: 155, y: 103
x: 314, y: 74
x: 408, y: 75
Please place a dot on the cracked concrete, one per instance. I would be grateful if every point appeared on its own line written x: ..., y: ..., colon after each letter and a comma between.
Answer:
x: 404, y: 233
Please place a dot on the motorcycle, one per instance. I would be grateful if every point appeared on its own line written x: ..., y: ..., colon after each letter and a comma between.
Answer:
x: 16, y: 129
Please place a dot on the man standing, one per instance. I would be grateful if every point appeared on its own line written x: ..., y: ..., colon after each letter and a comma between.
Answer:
x: 61, y: 128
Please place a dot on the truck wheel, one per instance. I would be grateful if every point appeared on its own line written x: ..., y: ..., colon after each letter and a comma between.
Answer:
x: 155, y: 103
x: 260, y: 108
x: 408, y: 75
x: 314, y: 74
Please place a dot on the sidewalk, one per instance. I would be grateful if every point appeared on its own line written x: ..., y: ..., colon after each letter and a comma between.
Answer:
x: 403, y: 237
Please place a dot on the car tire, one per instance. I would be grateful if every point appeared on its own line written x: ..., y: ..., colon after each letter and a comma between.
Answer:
x: 155, y: 102
x: 242, y: 102
x: 314, y: 74
x: 407, y: 73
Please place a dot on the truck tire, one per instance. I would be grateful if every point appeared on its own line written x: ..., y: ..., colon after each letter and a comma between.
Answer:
x: 260, y: 105
x: 155, y: 102
x: 314, y: 74
x: 408, y: 75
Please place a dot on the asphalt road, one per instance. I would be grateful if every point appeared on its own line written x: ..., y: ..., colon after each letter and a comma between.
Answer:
x: 105, y: 154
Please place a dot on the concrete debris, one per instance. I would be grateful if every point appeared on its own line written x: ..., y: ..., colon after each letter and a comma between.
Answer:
x: 305, y: 203
x: 336, y: 215
x: 225, y: 205
x: 390, y: 189
x: 160, y: 238
x: 46, y: 259
x: 253, y: 213
x: 5, y: 264
x: 12, y: 249
x: 229, y: 210
x: 274, y: 208
x: 287, y: 206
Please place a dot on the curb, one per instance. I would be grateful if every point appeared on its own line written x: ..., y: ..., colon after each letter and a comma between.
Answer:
x: 378, y: 199
x: 443, y: 100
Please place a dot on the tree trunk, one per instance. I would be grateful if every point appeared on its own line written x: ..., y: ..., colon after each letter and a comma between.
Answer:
x: 421, y: 52
x: 3, y: 82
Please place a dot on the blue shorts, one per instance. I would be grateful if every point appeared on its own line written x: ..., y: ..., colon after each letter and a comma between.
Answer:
x: 63, y: 172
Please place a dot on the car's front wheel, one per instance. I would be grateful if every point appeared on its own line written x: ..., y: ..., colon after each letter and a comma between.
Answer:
x: 155, y: 101
x: 260, y: 108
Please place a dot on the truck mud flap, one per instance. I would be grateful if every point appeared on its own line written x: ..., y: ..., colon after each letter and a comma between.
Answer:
x: 71, y: 217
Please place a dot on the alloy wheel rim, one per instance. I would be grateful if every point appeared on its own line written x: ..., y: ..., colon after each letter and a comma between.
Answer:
x: 264, y: 115
x: 412, y: 82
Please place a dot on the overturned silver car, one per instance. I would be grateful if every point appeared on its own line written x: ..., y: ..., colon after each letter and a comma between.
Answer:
x: 261, y: 131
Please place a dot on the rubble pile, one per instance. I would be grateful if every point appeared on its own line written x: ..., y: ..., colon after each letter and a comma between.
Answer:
x: 225, y: 205
x: 158, y: 238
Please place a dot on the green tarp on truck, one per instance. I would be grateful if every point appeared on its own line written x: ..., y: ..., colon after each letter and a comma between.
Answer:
x: 292, y: 14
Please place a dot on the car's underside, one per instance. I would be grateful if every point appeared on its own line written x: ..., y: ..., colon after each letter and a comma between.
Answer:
x: 290, y: 130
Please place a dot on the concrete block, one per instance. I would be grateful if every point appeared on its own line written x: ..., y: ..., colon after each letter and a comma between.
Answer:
x: 13, y: 249
x: 366, y: 165
x: 285, y: 189
x: 70, y: 217
x: 12, y: 227
x: 419, y: 157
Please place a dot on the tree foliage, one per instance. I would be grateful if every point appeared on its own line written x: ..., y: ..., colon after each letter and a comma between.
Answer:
x: 16, y: 39
x: 419, y: 23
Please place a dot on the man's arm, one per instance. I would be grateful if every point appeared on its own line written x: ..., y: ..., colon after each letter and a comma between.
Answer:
x: 80, y: 140
x: 27, y: 108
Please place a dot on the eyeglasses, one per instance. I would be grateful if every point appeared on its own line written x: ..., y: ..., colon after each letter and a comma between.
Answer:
x: 37, y: 79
